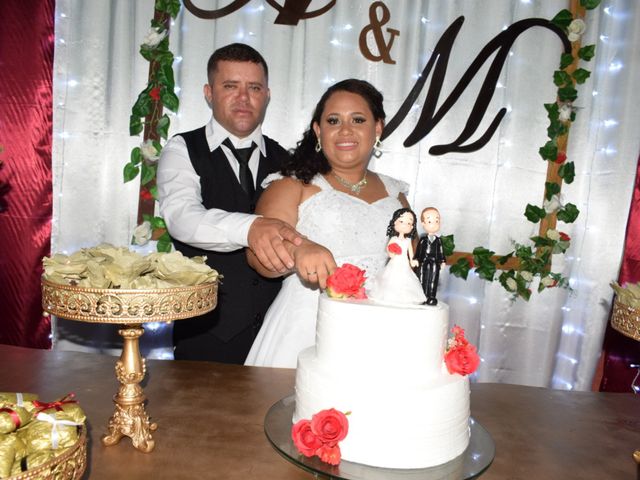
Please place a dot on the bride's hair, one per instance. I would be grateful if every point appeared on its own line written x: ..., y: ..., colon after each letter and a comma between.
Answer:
x: 391, y: 229
x: 305, y: 162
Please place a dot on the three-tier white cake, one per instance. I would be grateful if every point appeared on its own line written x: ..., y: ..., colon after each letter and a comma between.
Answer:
x: 384, y: 364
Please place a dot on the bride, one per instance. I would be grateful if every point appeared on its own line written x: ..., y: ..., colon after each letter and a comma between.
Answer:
x: 341, y: 207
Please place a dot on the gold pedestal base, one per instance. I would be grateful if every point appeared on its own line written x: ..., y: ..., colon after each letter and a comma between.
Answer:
x: 130, y: 418
x: 129, y: 309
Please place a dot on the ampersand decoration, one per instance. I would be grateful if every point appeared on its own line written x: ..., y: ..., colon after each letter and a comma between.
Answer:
x: 375, y: 27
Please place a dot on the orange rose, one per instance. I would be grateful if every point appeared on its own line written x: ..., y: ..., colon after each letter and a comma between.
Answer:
x: 463, y: 359
x: 330, y: 426
x: 329, y: 454
x: 304, y: 439
x: 346, y: 282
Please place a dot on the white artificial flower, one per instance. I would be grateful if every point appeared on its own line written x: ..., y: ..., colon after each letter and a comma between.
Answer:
x: 528, y: 276
x: 566, y: 109
x: 154, y: 37
x: 149, y: 151
x: 511, y: 284
x: 552, y: 205
x: 553, y: 235
x: 142, y: 233
x: 576, y: 29
x: 548, y: 281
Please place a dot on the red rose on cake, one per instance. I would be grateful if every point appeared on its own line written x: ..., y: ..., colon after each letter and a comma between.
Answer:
x: 304, y: 439
x: 330, y: 455
x: 330, y: 426
x: 461, y: 357
x: 320, y: 435
x: 347, y: 281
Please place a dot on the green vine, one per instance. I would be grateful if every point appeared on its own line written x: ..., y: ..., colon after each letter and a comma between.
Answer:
x: 147, y: 117
x: 534, y: 259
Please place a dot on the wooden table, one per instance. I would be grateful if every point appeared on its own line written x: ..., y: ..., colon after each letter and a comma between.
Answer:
x: 210, y: 421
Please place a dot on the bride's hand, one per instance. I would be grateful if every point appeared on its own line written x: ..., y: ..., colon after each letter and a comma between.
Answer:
x: 314, y: 263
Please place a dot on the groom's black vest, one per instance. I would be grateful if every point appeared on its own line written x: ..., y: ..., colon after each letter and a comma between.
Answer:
x: 243, y: 295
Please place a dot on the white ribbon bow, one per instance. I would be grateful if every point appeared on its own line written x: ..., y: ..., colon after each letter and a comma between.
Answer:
x: 45, y: 417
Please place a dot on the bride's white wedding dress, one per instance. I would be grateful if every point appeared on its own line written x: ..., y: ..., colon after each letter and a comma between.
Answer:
x: 396, y: 283
x: 355, y: 232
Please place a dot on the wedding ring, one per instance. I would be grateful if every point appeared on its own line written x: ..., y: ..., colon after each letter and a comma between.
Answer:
x: 312, y: 273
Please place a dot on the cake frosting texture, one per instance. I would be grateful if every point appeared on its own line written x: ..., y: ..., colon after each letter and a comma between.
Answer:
x: 384, y: 365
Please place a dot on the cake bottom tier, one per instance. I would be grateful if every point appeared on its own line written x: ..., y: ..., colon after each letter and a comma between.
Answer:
x: 393, y: 426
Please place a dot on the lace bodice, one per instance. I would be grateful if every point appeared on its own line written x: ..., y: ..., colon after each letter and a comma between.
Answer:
x: 355, y: 232
x: 329, y: 217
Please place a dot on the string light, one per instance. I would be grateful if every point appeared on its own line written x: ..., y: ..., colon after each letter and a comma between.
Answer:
x: 567, y: 358
x: 610, y: 123
x: 335, y: 42
x: 615, y: 66
x: 72, y: 83
x: 348, y: 26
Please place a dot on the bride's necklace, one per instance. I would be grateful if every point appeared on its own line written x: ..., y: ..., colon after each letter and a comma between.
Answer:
x: 354, y: 187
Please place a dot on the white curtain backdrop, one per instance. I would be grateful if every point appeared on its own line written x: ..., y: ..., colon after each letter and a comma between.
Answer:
x: 554, y: 340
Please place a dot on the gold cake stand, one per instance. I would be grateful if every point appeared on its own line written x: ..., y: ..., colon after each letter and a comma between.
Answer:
x: 131, y: 309
x: 626, y: 320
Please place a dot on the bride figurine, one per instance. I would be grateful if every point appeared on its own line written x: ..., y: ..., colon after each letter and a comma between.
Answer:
x: 396, y: 282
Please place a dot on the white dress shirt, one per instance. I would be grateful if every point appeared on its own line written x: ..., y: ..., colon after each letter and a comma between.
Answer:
x: 180, y: 196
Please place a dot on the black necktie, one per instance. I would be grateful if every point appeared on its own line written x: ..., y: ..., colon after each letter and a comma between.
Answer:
x: 243, y: 155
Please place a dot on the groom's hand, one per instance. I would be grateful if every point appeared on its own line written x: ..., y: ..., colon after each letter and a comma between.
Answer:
x: 266, y: 240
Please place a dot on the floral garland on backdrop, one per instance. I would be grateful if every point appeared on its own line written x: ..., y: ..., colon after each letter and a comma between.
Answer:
x: 520, y: 267
x: 526, y: 262
x: 146, y: 116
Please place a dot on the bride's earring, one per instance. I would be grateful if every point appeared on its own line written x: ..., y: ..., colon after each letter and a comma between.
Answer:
x: 377, y: 148
x: 318, y: 146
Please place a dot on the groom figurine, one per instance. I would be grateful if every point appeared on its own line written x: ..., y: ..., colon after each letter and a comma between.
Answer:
x: 430, y: 254
x: 209, y: 181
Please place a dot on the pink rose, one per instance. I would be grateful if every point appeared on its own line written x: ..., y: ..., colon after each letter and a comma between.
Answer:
x: 346, y: 281
x: 564, y: 237
x: 394, y: 248
x: 330, y: 426
x: 329, y: 454
x: 304, y: 439
x: 561, y: 158
x: 462, y: 359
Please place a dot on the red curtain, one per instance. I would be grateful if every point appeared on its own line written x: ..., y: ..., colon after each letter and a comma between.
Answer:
x: 620, y: 351
x: 26, y: 60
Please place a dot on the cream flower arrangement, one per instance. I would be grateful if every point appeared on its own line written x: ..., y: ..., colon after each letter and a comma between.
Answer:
x: 628, y: 295
x: 107, y: 266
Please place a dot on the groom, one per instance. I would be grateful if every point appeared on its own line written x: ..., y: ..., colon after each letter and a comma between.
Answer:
x: 208, y: 185
x: 430, y: 254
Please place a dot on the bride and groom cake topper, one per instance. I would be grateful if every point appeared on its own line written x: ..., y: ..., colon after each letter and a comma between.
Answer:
x: 396, y: 281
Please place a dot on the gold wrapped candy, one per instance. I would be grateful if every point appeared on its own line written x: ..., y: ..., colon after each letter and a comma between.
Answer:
x: 12, y: 451
x: 38, y: 458
x: 20, y: 399
x: 50, y: 432
x: 13, y: 417
x: 66, y: 404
